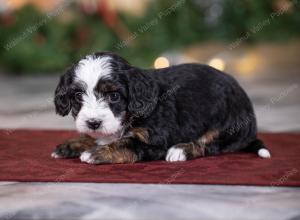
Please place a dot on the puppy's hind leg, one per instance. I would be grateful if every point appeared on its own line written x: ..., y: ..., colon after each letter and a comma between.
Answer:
x: 74, y: 147
x: 199, y: 148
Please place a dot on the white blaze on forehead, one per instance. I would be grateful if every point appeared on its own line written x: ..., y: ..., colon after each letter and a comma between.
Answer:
x: 91, y: 69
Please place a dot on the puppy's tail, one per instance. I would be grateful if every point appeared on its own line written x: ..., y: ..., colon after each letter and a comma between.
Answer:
x: 258, y: 147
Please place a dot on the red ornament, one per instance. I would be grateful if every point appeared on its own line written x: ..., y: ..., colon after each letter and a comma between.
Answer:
x: 7, y: 19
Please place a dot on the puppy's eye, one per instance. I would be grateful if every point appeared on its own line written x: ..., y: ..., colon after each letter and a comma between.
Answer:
x: 113, y: 97
x: 78, y: 96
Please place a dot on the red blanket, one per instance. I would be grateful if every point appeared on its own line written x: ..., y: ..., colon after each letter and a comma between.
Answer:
x: 25, y: 156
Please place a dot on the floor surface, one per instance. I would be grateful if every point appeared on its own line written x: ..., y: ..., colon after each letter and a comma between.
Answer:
x: 146, y: 202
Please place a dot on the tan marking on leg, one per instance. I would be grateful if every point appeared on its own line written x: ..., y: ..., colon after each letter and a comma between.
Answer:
x: 197, y: 148
x: 116, y: 152
x: 139, y: 133
x: 124, y: 155
x: 191, y: 149
x: 208, y: 137
x: 74, y: 147
x: 81, y: 143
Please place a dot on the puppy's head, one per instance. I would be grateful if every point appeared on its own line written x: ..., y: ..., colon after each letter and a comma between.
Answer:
x: 102, y: 91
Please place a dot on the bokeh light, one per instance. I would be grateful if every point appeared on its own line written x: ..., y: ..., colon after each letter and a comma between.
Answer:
x: 161, y: 62
x: 217, y: 63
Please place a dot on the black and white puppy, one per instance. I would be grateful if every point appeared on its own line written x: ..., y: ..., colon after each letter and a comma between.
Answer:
x: 176, y: 113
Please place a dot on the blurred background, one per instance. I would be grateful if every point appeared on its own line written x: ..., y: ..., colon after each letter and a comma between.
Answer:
x: 258, y: 42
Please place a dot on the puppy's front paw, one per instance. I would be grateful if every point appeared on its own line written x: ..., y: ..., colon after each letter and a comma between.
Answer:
x: 56, y: 155
x: 65, y: 150
x: 97, y: 155
x: 74, y: 147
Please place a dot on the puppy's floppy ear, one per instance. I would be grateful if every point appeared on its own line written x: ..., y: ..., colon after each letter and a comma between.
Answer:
x: 142, y: 92
x: 61, y: 98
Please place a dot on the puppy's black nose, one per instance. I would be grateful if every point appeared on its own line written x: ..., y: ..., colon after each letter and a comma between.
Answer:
x: 93, y: 124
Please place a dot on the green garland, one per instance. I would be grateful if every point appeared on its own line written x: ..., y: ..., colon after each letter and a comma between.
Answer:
x: 36, y: 43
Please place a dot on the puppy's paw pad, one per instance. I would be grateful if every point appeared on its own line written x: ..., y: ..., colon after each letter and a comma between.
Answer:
x: 175, y: 154
x: 55, y: 155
